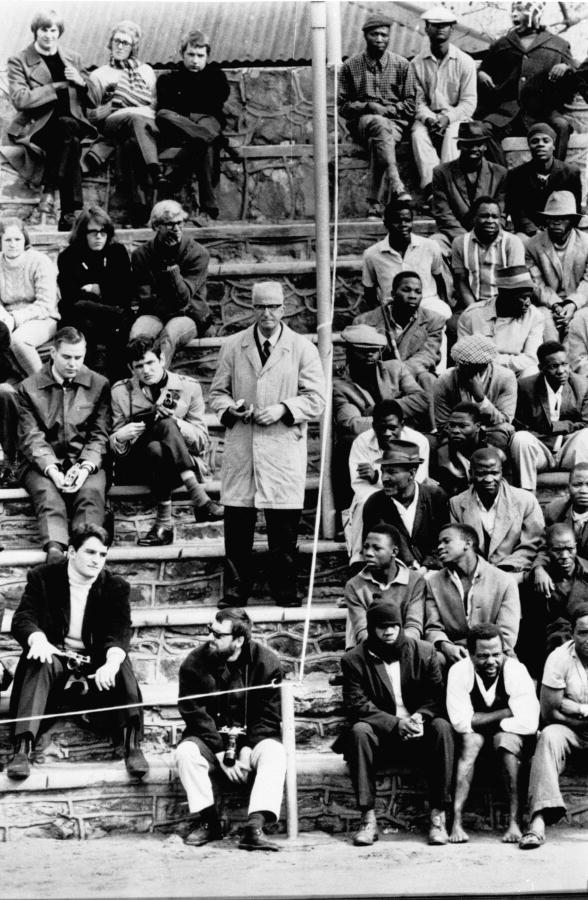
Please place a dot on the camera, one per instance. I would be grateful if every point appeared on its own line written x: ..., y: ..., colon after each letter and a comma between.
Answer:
x: 232, y: 732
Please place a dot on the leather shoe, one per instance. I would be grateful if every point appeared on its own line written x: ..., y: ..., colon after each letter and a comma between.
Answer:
x: 157, y: 536
x: 55, y: 553
x: 137, y: 765
x: 19, y: 766
x: 438, y: 832
x: 229, y: 602
x: 254, y: 839
x: 367, y: 834
x: 66, y: 222
x: 210, y: 512
x: 204, y: 833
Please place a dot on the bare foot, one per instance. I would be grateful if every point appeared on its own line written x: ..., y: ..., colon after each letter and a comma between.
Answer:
x: 512, y: 835
x: 458, y: 835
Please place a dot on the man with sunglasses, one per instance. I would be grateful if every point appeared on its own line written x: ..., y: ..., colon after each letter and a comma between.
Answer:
x: 268, y: 385
x: 169, y: 274
x: 231, y: 731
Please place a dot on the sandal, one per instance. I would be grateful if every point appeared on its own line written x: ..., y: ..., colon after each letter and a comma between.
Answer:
x: 531, y: 840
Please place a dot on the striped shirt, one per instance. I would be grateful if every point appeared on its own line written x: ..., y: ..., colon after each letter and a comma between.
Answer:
x: 469, y: 256
x: 388, y: 81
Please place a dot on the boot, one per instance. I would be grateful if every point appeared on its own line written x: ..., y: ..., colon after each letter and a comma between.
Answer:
x: 368, y: 831
x: 19, y: 766
x: 137, y: 765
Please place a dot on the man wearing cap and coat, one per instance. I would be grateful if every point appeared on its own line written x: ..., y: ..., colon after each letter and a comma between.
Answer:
x: 377, y: 98
x: 394, y: 700
x: 529, y: 185
x: 268, y: 385
x: 477, y: 378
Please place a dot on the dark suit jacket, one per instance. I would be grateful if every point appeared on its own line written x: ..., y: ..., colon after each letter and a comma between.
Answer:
x: 525, y: 198
x: 419, y: 345
x: 367, y: 693
x: 431, y: 514
x: 532, y: 412
x: 560, y: 510
x: 451, y: 203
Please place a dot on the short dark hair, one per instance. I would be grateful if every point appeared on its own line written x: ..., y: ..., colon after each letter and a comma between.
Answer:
x: 402, y: 276
x: 194, y: 38
x: 487, y: 454
x: 579, y: 613
x: 396, y: 206
x: 471, y: 409
x: 96, y: 214
x: 384, y: 528
x: 385, y: 408
x: 579, y: 467
x: 482, y: 201
x: 557, y: 529
x: 466, y: 531
x: 139, y: 346
x: 83, y: 533
x: 241, y: 624
x: 485, y: 631
x: 548, y: 348
x: 68, y: 335
x: 45, y: 19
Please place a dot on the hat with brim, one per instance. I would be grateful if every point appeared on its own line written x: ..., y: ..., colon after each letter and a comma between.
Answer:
x: 376, y: 20
x: 363, y: 336
x: 401, y: 453
x: 561, y: 204
x: 439, y: 15
x: 514, y: 278
x: 472, y: 133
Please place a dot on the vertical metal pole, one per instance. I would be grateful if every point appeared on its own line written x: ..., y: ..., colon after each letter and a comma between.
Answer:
x: 323, y: 261
x: 289, y: 741
x: 334, y: 33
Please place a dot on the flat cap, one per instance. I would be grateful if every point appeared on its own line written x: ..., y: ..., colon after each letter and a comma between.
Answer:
x: 401, y: 453
x: 376, y: 20
x: 474, y: 350
x: 267, y: 292
x: 438, y: 15
x: 363, y: 336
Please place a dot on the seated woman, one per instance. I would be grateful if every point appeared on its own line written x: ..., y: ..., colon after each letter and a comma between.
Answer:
x: 48, y: 86
x: 95, y: 284
x: 123, y: 93
x: 28, y: 295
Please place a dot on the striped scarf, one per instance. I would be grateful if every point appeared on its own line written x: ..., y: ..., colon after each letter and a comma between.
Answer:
x: 132, y: 89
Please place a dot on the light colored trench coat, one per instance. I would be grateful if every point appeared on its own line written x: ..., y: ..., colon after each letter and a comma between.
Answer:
x: 265, y: 466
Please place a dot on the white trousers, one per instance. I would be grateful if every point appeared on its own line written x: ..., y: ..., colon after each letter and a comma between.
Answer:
x: 268, y: 761
x: 425, y: 154
x: 530, y: 455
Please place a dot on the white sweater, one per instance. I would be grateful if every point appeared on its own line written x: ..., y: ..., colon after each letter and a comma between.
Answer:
x: 28, y: 288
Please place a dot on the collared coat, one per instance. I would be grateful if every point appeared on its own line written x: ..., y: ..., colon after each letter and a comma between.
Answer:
x: 33, y: 94
x: 419, y: 345
x: 526, y: 196
x: 560, y: 510
x: 265, y: 466
x: 497, y: 408
x: 451, y: 203
x: 518, y: 528
x: 406, y: 591
x: 56, y: 425
x: 533, y: 413
x: 555, y: 279
x: 494, y: 597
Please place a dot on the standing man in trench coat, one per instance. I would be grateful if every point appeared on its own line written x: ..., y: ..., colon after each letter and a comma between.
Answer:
x: 269, y: 383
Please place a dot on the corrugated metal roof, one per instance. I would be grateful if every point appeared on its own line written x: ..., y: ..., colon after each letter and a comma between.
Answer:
x: 242, y: 32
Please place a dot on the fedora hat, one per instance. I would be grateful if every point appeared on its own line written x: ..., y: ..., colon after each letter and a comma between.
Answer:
x: 472, y: 133
x: 559, y: 204
x: 514, y: 278
x: 401, y: 453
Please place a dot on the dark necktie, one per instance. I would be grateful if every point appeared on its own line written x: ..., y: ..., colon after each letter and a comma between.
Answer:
x: 266, y: 351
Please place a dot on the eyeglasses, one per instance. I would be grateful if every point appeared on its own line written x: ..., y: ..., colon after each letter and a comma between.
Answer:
x: 122, y: 43
x: 176, y: 226
x: 99, y: 232
x: 218, y: 634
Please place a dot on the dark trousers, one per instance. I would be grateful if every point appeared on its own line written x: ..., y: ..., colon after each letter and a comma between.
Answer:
x: 282, y: 534
x: 195, y: 137
x: 52, y: 508
x: 61, y: 140
x: 367, y: 752
x: 159, y: 456
x: 8, y: 422
x: 106, y: 331
x: 42, y: 691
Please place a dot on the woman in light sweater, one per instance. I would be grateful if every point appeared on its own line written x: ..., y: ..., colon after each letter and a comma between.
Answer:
x: 28, y: 294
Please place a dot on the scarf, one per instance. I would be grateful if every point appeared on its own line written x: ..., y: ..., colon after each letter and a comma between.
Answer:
x: 132, y: 89
x: 386, y: 652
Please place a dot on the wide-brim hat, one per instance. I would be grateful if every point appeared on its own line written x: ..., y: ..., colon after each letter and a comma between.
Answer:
x: 514, y: 278
x: 472, y: 133
x: 439, y: 15
x: 401, y: 453
x: 363, y: 336
x: 561, y: 203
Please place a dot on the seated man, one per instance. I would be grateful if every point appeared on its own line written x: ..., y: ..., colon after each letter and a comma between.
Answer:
x: 551, y: 418
x: 377, y: 99
x: 557, y: 258
x: 169, y: 273
x: 231, y: 661
x: 393, y: 699
x: 507, y: 520
x: 364, y: 466
x: 515, y: 326
x: 417, y: 511
x: 458, y: 184
x: 477, y: 378
x: 446, y: 95
x: 190, y: 117
x: 529, y: 185
x: 576, y: 342
x: 492, y: 704
x: 476, y: 255
x: 73, y: 608
x: 402, y: 251
x: 573, y: 509
x: 366, y: 380
x: 383, y: 577
x: 63, y: 426
x: 466, y: 592
x: 565, y: 710
x: 159, y: 434
x: 465, y: 435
